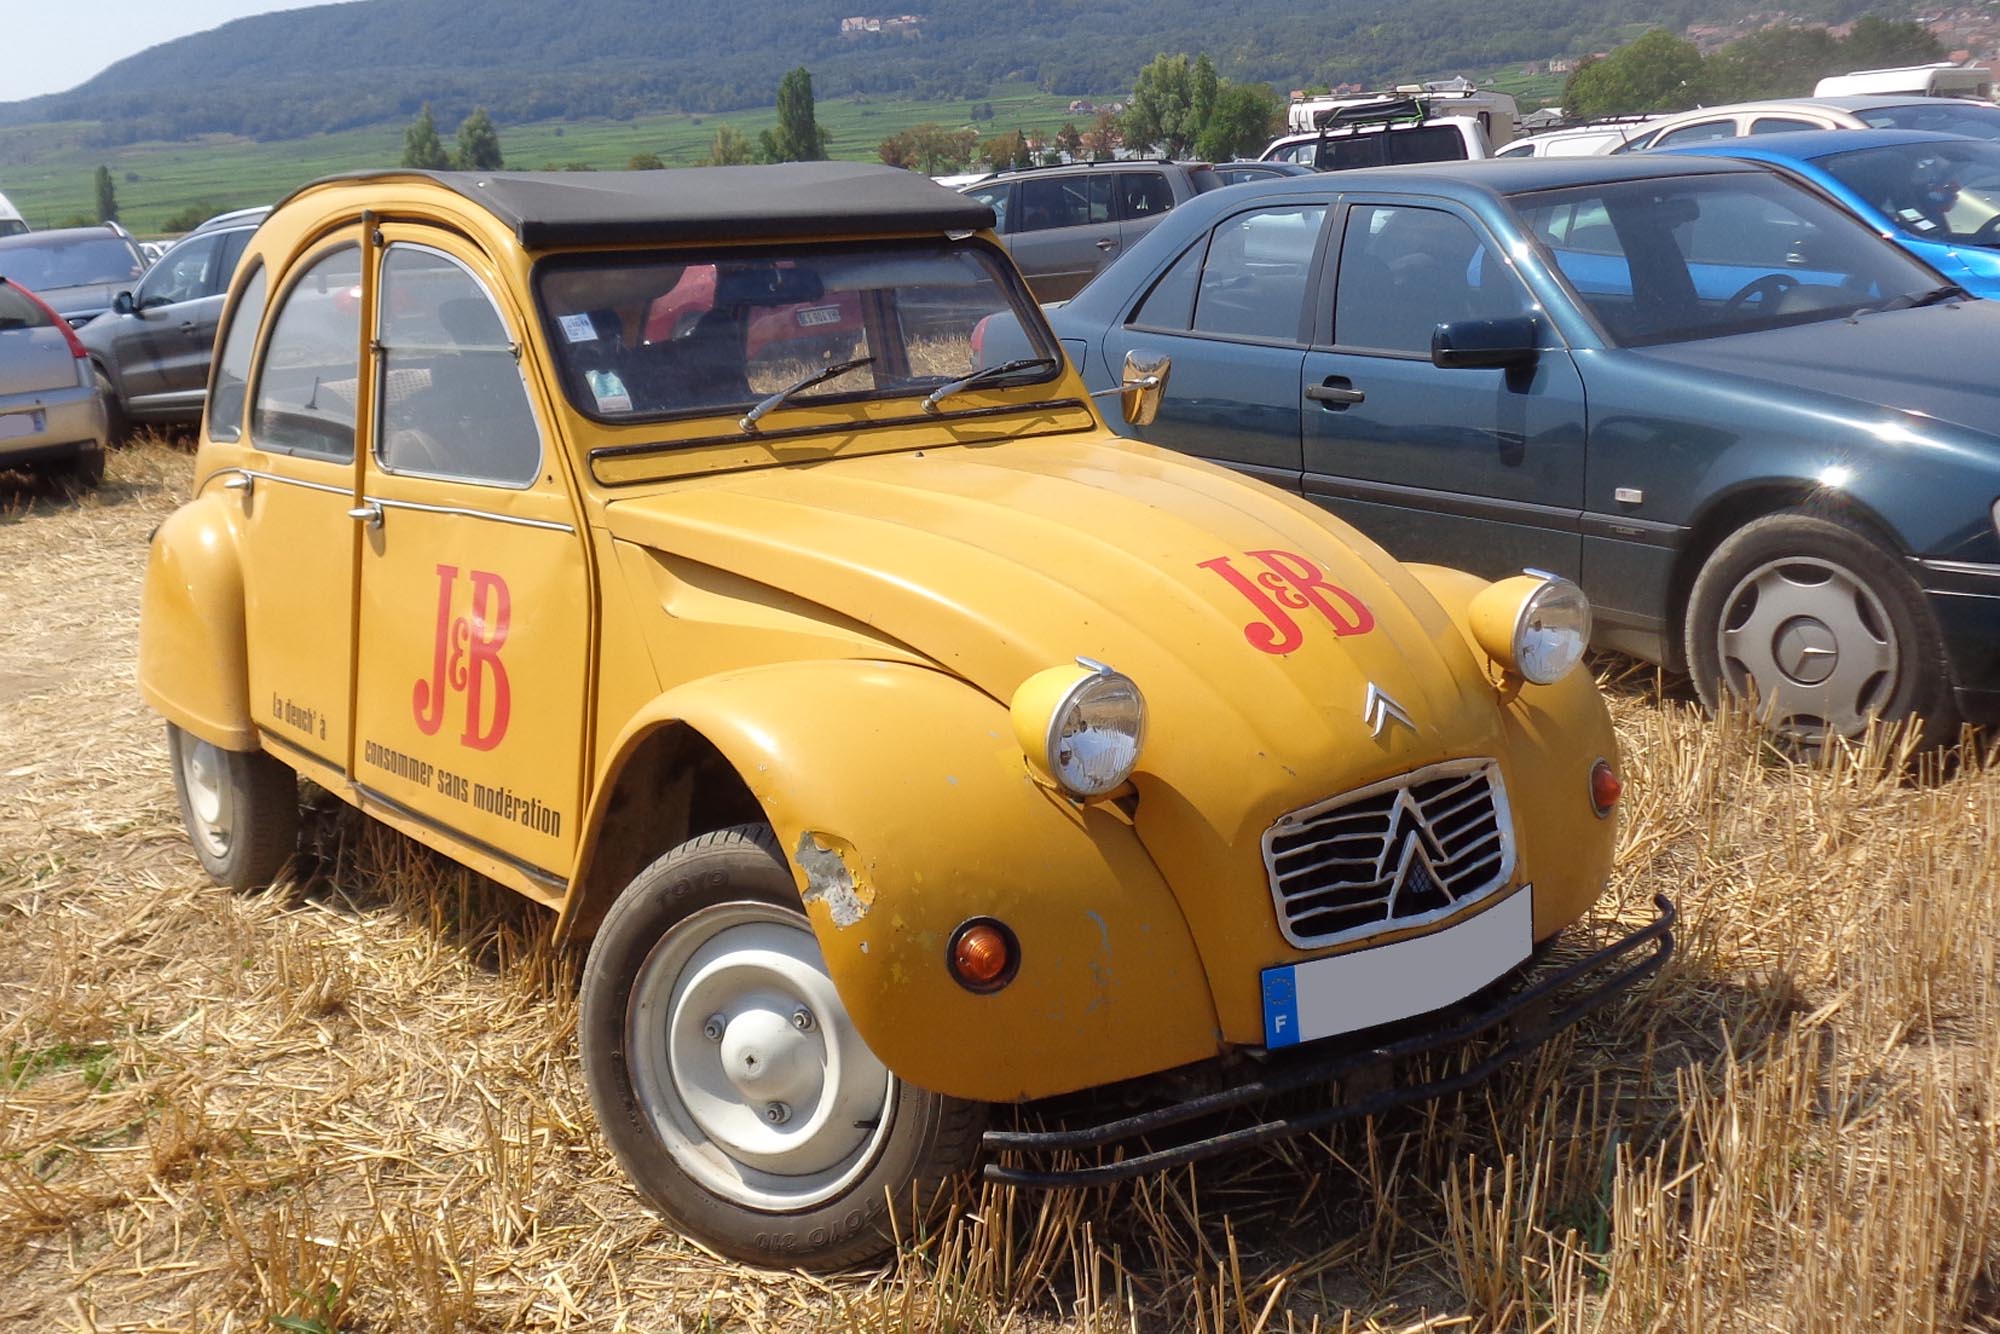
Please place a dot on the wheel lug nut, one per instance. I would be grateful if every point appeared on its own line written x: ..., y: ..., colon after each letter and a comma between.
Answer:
x: 777, y: 1113
x: 715, y: 1027
x: 802, y: 1019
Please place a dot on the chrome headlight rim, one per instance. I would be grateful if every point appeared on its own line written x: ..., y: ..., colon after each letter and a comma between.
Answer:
x: 1097, y: 676
x: 1552, y: 586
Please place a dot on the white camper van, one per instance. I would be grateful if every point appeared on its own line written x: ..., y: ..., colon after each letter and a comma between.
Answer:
x: 11, y: 222
x: 1940, y: 80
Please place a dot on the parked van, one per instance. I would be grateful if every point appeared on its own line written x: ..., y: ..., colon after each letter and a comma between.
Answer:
x: 11, y: 222
x: 1940, y: 80
x: 1584, y: 140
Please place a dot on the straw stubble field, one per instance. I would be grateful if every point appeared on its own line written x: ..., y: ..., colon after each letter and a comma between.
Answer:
x: 353, y: 1102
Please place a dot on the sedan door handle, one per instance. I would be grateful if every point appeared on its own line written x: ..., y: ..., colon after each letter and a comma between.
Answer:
x: 1107, y: 244
x: 368, y: 512
x: 1336, y: 394
x: 188, y: 326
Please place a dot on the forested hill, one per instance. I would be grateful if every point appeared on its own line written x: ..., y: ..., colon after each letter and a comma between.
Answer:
x: 338, y: 66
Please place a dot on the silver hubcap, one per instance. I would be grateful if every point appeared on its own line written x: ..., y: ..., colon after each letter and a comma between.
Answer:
x: 1811, y: 645
x: 747, y: 1064
x: 208, y: 795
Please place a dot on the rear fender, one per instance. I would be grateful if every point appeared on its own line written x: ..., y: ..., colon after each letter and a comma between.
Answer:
x: 193, y: 663
x: 905, y: 807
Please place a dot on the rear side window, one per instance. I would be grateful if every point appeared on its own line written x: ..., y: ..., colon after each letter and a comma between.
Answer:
x: 232, y: 368
x: 1259, y: 266
x: 1170, y: 305
x: 994, y: 197
x: 17, y: 312
x: 1779, y: 125
x: 1698, y: 134
x: 1144, y: 194
x: 306, y: 391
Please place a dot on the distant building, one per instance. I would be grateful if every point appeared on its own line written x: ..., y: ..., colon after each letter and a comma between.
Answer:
x: 1082, y: 106
x: 1563, y: 65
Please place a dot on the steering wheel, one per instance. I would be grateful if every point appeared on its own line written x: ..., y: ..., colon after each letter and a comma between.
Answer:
x: 1764, y: 290
x: 1988, y: 233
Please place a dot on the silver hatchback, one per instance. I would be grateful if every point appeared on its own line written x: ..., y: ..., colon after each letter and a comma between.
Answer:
x: 51, y: 417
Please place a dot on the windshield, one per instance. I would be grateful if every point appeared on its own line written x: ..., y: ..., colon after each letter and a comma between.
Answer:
x: 46, y: 265
x: 1677, y: 258
x: 1943, y: 191
x: 639, y: 337
x: 1945, y: 115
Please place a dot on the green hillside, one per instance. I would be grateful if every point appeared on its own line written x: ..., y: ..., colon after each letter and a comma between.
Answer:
x: 46, y: 170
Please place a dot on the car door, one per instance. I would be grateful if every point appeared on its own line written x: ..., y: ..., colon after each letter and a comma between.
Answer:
x: 184, y: 377
x: 1234, y: 311
x: 1471, y: 467
x: 150, y: 345
x: 474, y: 624
x: 1064, y: 225
x: 296, y: 485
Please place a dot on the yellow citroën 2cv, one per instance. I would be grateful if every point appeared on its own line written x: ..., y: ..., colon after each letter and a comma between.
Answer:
x: 673, y: 548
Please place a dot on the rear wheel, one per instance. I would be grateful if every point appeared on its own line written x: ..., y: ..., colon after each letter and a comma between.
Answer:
x: 83, y: 472
x: 730, y: 1081
x: 1815, y: 620
x: 116, y: 424
x: 241, y: 809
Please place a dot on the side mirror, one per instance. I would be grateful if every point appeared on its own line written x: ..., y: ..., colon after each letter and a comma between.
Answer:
x: 1144, y: 386
x: 123, y: 304
x: 1486, y: 344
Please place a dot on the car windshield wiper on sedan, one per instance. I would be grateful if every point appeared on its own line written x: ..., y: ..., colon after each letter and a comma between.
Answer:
x: 784, y: 396
x: 1948, y: 292
x: 944, y: 391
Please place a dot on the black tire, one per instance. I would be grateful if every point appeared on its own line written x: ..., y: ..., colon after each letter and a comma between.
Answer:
x: 117, y: 425
x: 738, y: 880
x: 1878, y: 605
x: 83, y: 472
x: 241, y: 809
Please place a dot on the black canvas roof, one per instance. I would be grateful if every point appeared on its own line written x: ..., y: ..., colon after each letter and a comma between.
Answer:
x: 566, y: 208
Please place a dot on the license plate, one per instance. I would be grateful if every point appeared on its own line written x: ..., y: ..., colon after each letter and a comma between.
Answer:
x: 812, y: 315
x: 21, y: 423
x: 1348, y: 992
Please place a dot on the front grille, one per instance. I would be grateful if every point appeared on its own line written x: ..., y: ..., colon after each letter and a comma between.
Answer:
x: 1392, y: 855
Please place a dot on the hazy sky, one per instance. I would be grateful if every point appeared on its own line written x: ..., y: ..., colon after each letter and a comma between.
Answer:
x: 50, y: 46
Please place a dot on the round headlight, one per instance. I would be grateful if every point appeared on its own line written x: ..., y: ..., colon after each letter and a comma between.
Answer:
x: 1081, y: 727
x: 1535, y: 626
x: 1552, y: 633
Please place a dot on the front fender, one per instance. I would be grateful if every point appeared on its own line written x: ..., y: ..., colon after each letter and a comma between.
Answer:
x: 905, y: 807
x: 193, y: 663
x: 1553, y: 735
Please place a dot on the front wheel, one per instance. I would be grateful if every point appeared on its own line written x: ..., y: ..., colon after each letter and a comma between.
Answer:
x: 241, y: 809
x: 1818, y: 624
x: 730, y: 1081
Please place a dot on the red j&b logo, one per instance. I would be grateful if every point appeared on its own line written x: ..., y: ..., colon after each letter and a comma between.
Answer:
x: 1290, y: 583
x: 465, y: 660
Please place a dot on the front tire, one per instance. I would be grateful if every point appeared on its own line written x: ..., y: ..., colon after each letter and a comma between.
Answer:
x: 731, y: 1083
x: 241, y: 809
x: 1816, y: 621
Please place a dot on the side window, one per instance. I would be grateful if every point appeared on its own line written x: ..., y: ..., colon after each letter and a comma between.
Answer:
x: 452, y: 400
x: 226, y: 260
x: 1780, y: 125
x: 183, y: 273
x: 1699, y: 133
x: 1170, y: 305
x: 1054, y: 202
x: 232, y: 368
x: 1404, y: 271
x: 1254, y: 282
x: 1144, y: 194
x: 995, y: 198
x: 307, y: 388
x: 1426, y: 143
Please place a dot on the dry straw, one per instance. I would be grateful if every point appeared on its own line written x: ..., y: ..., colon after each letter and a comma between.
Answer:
x: 352, y: 1102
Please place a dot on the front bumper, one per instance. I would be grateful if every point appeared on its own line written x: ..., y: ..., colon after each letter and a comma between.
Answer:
x: 1184, y: 1129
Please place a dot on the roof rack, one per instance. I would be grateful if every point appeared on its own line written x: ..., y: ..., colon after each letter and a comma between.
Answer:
x: 1107, y: 162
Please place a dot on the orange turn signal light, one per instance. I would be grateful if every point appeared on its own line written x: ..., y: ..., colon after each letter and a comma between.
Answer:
x: 1605, y: 788
x: 983, y: 955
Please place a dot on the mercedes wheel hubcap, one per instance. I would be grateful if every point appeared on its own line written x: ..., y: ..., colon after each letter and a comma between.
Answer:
x: 1812, y: 645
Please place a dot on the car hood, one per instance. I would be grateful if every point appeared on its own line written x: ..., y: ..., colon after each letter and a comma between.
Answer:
x: 1936, y: 361
x: 996, y: 562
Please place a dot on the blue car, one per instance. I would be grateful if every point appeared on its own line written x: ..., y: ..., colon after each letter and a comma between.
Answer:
x: 1935, y: 195
x: 1764, y: 440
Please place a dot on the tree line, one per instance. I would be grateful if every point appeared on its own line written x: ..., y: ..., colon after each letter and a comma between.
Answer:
x: 1663, y: 72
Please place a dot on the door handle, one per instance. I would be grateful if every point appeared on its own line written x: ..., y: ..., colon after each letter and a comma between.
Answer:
x: 243, y: 482
x: 187, y: 326
x: 368, y: 512
x: 1336, y: 394
x: 1106, y: 244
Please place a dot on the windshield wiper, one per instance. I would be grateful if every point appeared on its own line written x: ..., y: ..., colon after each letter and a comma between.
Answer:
x: 1949, y: 292
x: 784, y: 396
x: 944, y: 391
